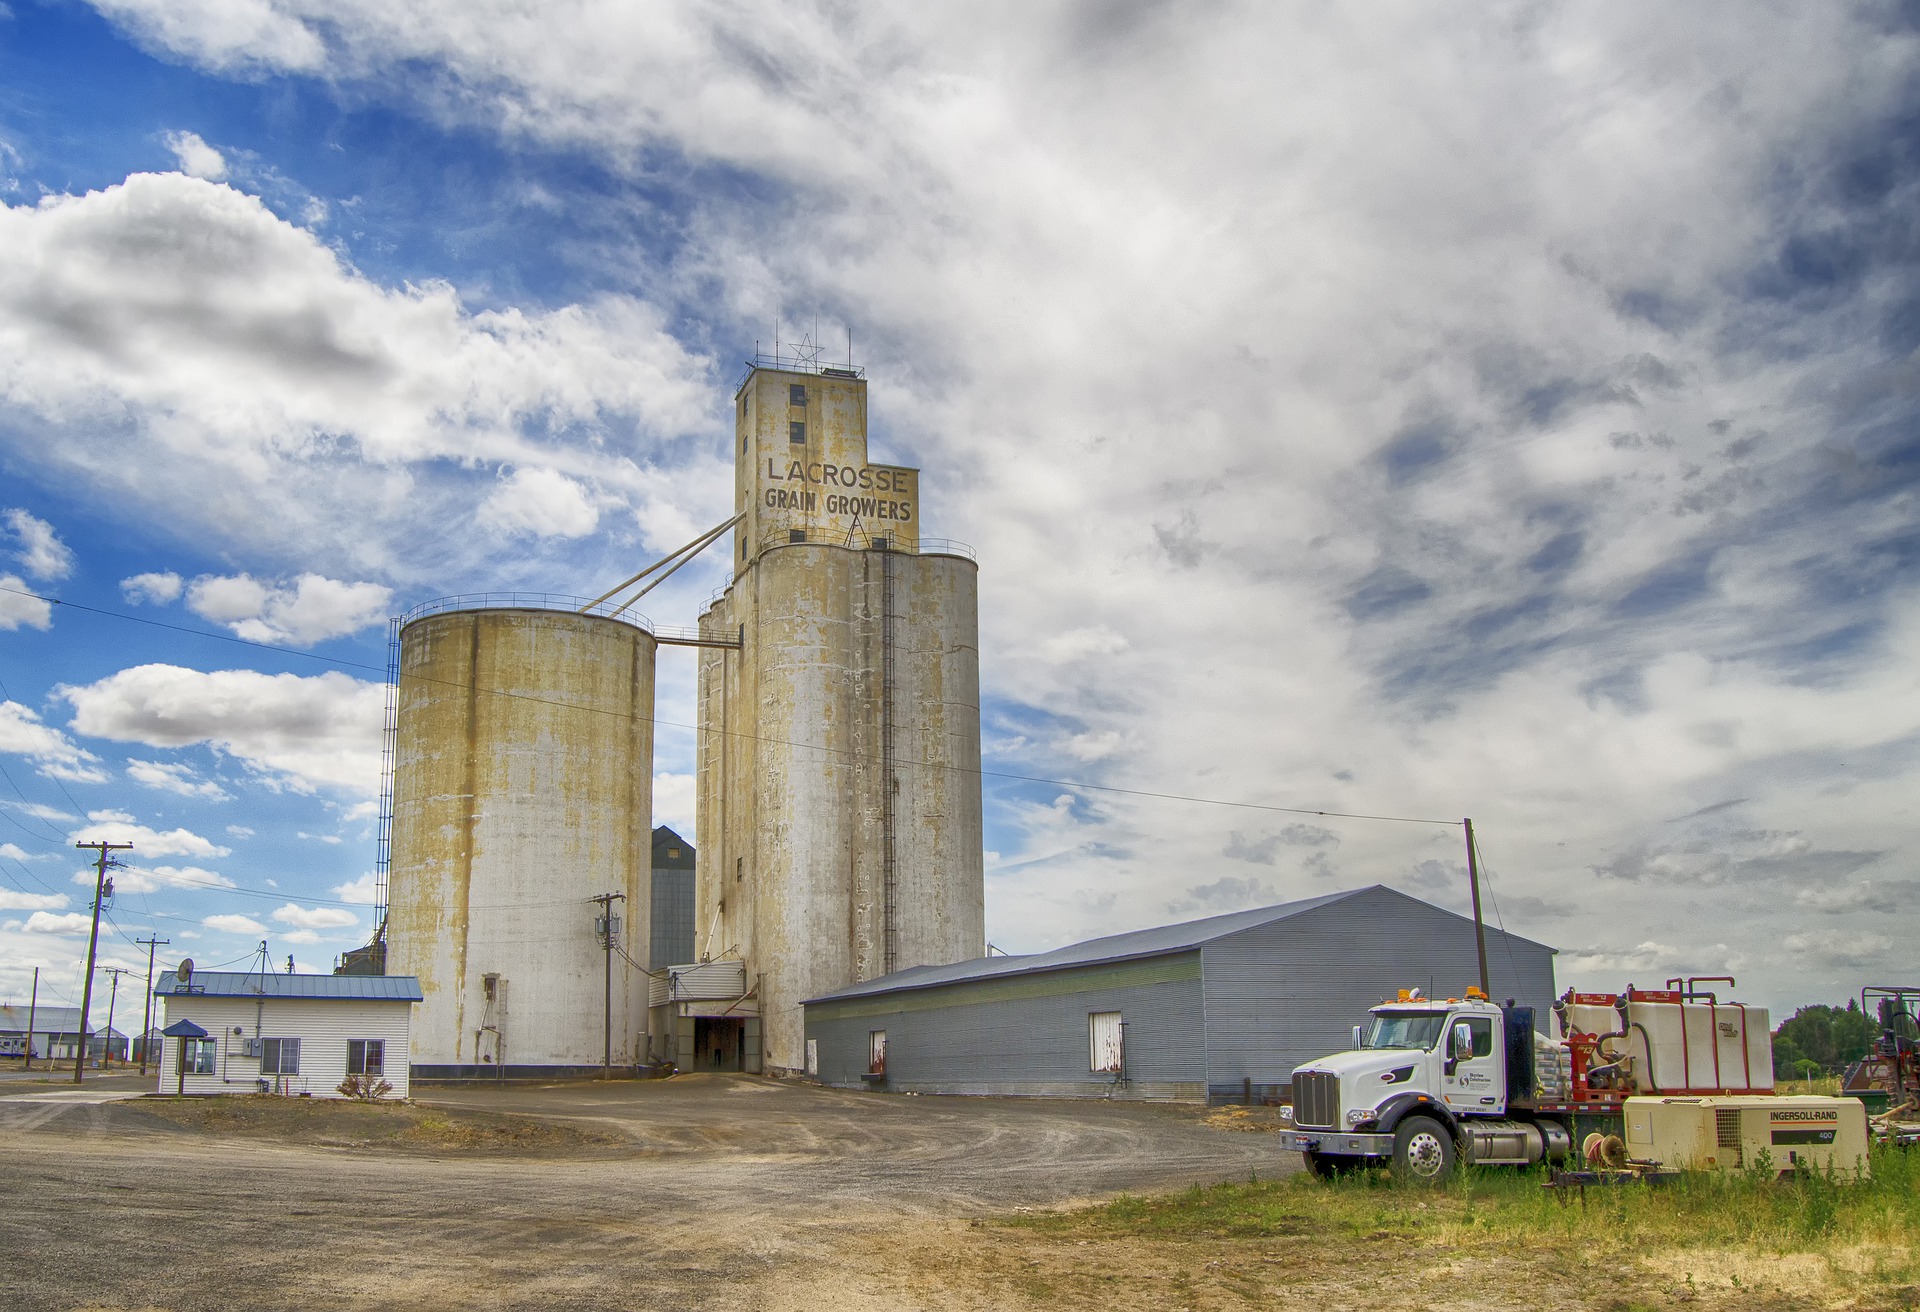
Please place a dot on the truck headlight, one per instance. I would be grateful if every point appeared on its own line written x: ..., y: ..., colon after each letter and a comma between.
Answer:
x: 1359, y: 1114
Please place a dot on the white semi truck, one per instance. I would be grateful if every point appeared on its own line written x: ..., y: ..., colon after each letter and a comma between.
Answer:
x: 1430, y: 1082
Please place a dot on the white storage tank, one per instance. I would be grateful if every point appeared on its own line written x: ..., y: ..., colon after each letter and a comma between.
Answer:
x: 522, y: 789
x: 1673, y: 1041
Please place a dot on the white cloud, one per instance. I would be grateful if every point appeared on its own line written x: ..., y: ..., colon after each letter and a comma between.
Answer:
x: 40, y: 811
x: 52, y: 752
x: 363, y: 891
x: 318, y: 838
x: 42, y: 554
x: 299, y: 936
x: 145, y: 879
x: 240, y: 831
x: 119, y: 827
x: 305, y: 731
x: 673, y: 801
x: 1839, y: 949
x: 315, y: 917
x: 196, y: 158
x: 175, y: 777
x: 17, y: 608
x: 541, y: 502
x: 151, y: 589
x: 10, y: 900
x: 46, y: 922
x: 226, y: 34
x: 15, y: 852
x: 312, y: 609
x: 269, y: 372
x: 234, y: 924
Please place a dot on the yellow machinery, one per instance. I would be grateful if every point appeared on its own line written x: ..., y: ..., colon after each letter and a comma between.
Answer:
x: 1740, y: 1132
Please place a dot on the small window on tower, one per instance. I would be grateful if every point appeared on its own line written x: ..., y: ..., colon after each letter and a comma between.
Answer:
x: 796, y: 535
x: 796, y: 431
x: 796, y: 394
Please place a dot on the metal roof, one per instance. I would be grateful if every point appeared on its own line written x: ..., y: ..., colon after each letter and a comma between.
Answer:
x: 254, y: 984
x: 1162, y: 939
x: 53, y: 1020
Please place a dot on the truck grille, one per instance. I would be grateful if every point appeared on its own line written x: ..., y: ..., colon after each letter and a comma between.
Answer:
x: 1316, y: 1100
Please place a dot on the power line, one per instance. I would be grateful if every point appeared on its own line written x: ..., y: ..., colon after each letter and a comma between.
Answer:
x: 736, y: 734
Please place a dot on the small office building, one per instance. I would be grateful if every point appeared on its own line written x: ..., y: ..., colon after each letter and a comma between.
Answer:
x: 1221, y: 1009
x: 302, y: 1035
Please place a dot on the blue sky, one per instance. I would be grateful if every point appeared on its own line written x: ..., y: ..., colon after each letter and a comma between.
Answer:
x: 1496, y: 410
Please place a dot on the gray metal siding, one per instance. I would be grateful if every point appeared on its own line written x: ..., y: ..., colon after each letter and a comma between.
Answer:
x: 1024, y: 1036
x: 1281, y: 994
x: 672, y: 926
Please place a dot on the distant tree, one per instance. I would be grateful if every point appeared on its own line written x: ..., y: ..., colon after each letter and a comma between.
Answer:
x: 1853, y: 1034
x: 1811, y: 1031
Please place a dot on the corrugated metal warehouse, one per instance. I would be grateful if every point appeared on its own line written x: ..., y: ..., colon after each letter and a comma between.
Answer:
x: 1222, y: 1008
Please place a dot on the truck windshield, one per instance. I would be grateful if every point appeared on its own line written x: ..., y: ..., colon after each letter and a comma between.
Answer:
x: 1406, y: 1029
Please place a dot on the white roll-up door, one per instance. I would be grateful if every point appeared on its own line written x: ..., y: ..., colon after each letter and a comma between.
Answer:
x: 1103, y: 1039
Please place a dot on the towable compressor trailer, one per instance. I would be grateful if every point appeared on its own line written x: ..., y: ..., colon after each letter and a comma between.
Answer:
x: 1659, y: 1079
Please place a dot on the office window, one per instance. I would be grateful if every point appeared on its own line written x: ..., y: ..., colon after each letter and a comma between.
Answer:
x: 280, y: 1056
x: 796, y: 394
x: 796, y: 431
x: 198, y: 1056
x: 366, y: 1056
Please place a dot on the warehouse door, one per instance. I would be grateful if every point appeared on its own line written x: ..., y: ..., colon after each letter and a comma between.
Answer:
x: 1104, y: 1042
x: 719, y: 1043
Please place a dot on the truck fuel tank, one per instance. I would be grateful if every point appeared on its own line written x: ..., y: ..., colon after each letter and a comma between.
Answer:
x: 1515, y: 1143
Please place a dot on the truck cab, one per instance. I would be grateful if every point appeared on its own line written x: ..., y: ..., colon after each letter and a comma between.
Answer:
x: 1425, y: 1078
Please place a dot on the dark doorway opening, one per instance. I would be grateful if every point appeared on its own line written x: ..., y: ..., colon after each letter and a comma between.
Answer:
x: 719, y: 1043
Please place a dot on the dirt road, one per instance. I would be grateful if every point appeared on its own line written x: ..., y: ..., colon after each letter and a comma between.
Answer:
x: 726, y: 1192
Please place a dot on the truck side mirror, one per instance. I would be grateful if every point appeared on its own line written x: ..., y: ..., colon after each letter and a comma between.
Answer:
x: 1462, y: 1042
x: 1359, y: 1036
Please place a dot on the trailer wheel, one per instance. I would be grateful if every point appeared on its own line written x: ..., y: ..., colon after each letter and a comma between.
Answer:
x: 1423, y: 1151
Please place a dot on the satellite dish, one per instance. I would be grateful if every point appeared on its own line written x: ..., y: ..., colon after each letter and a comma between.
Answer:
x: 184, y: 972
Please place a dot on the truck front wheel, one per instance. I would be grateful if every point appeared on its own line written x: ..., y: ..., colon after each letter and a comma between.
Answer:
x: 1330, y: 1166
x: 1423, y: 1151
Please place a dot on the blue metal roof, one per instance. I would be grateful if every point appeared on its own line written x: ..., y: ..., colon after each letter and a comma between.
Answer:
x: 1155, y: 942
x: 254, y: 984
x: 184, y: 1029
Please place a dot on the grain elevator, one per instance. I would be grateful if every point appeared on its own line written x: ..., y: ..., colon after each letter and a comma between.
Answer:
x: 838, y: 770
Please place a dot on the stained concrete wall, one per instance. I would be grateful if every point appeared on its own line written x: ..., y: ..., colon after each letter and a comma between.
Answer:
x: 844, y: 733
x: 523, y: 782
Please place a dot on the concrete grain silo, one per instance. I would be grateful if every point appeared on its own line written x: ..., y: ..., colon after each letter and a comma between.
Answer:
x: 839, y: 815
x: 522, y: 789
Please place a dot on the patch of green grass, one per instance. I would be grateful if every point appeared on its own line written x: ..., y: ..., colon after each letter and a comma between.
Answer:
x: 1811, y: 1214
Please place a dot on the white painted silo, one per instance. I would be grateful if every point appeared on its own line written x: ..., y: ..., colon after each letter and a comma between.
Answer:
x: 522, y: 789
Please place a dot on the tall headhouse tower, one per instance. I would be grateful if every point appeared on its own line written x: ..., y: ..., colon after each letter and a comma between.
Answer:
x: 839, y: 821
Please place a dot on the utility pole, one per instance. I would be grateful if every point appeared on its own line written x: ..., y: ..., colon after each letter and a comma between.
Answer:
x: 1479, y: 926
x: 607, y: 927
x: 112, y: 997
x: 146, y: 1017
x: 93, y: 945
x: 33, y: 1004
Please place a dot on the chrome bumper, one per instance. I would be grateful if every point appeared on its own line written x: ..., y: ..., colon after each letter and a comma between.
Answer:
x: 1337, y: 1144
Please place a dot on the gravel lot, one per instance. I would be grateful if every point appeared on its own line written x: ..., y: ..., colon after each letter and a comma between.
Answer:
x: 718, y: 1191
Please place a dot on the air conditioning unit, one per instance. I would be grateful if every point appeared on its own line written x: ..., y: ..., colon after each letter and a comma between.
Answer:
x: 249, y: 1047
